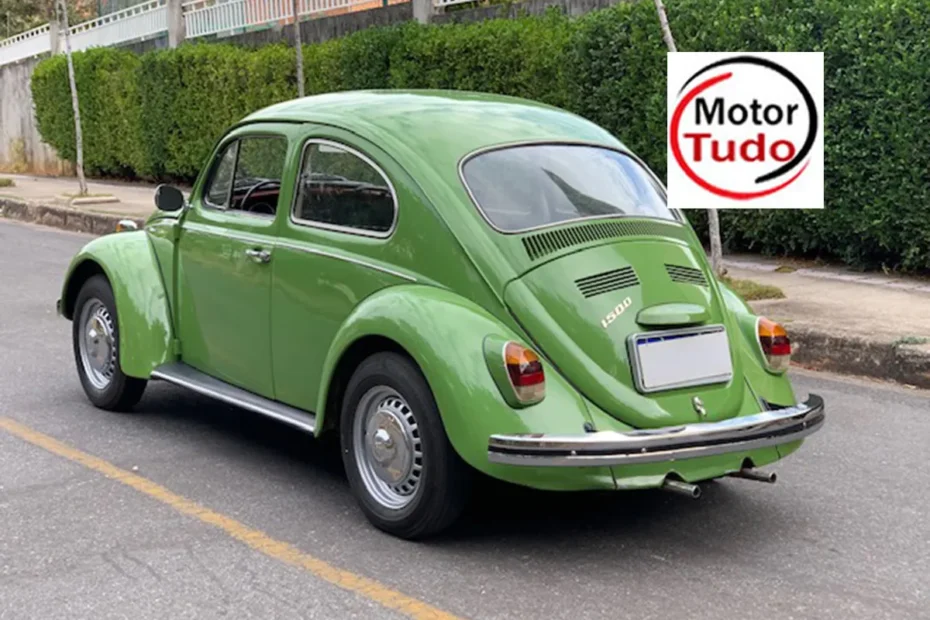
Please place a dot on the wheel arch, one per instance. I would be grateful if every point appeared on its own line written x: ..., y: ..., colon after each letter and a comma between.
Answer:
x: 128, y: 263
x: 444, y: 334
x: 353, y: 355
x: 81, y: 273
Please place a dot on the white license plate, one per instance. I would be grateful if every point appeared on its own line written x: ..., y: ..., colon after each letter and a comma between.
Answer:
x: 680, y: 358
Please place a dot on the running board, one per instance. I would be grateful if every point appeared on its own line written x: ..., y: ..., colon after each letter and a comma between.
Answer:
x: 181, y: 374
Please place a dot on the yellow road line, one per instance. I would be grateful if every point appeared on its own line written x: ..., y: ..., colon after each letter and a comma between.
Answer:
x: 255, y: 539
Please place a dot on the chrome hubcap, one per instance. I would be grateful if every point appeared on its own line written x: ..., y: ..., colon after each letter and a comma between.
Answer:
x: 97, y: 343
x: 387, y: 446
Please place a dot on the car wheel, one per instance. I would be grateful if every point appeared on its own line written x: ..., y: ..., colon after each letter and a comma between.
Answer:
x: 95, y: 335
x: 403, y: 471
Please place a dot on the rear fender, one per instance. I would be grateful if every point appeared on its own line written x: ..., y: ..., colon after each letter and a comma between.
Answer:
x: 143, y: 314
x: 771, y: 387
x: 444, y: 333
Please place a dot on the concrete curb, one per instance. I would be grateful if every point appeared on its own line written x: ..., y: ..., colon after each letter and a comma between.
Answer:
x: 845, y: 354
x: 62, y: 217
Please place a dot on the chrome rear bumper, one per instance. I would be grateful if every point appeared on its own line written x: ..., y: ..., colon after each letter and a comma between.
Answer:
x: 671, y: 443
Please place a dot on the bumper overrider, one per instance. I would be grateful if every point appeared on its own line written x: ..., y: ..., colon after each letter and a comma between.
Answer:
x: 671, y: 443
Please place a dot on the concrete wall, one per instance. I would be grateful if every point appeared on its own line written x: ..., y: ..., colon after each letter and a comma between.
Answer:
x: 322, y: 29
x: 516, y: 9
x: 148, y: 45
x: 21, y: 148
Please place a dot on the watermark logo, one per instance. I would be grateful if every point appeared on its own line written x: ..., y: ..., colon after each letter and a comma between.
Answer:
x: 745, y: 130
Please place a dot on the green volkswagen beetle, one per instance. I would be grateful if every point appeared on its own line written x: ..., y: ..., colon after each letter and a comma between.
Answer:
x: 452, y: 283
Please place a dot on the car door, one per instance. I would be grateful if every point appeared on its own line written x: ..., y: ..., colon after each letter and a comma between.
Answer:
x: 334, y: 251
x: 226, y: 254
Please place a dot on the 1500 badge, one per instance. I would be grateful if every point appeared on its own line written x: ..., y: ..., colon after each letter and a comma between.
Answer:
x: 614, y: 314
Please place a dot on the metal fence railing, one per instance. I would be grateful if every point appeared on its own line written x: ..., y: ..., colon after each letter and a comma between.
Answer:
x: 25, y: 45
x: 137, y: 22
x: 442, y: 3
x: 201, y: 18
x: 206, y: 17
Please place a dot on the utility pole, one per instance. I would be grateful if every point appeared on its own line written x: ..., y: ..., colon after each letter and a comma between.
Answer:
x: 78, y: 138
x: 713, y: 218
x: 298, y: 44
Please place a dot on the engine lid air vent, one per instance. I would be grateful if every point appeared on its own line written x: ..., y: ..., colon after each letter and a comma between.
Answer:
x: 686, y: 275
x: 608, y: 281
x: 538, y: 245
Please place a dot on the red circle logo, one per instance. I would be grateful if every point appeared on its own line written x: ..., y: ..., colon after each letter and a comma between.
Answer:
x: 743, y: 128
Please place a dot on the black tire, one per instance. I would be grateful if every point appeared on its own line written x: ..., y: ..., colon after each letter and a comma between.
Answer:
x: 122, y: 392
x: 445, y: 480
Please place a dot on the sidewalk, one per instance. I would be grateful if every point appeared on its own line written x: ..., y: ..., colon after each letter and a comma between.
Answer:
x: 840, y: 320
x: 135, y: 199
x: 44, y: 200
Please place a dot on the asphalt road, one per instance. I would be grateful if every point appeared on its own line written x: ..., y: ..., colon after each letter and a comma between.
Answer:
x: 844, y: 534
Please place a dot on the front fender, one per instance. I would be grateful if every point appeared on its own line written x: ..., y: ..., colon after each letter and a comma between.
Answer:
x: 445, y: 333
x: 143, y: 314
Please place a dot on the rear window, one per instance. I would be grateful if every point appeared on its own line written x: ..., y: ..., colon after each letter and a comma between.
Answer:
x: 523, y: 187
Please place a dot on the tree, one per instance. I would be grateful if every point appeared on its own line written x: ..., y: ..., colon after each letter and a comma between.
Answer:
x: 78, y: 138
x: 18, y: 16
x: 300, y: 49
x: 713, y: 218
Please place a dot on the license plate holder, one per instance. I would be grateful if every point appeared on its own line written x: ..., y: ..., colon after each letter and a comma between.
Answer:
x: 679, y: 358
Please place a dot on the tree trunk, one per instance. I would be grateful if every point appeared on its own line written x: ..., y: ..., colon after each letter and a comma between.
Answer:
x: 713, y: 218
x: 716, y: 250
x: 666, y: 31
x: 298, y: 44
x: 78, y: 138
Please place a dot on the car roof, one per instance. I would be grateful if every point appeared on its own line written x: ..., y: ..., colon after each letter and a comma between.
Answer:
x: 441, y: 123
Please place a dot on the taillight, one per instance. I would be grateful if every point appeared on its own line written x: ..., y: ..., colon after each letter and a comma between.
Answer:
x: 776, y: 347
x: 525, y: 372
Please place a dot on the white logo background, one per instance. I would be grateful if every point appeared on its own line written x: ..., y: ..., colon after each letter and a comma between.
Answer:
x: 755, y: 99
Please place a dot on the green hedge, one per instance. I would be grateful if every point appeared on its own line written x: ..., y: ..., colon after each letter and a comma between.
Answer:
x: 159, y: 114
x: 110, y: 104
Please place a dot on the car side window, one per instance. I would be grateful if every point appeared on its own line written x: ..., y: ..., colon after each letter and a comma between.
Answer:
x: 342, y: 189
x: 217, y: 193
x: 248, y: 175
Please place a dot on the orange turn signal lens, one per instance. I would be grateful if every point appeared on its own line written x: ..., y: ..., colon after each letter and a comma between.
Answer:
x: 525, y: 371
x: 775, y: 344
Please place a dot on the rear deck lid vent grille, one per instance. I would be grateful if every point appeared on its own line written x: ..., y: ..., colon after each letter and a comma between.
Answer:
x: 686, y: 275
x: 539, y: 245
x: 606, y: 282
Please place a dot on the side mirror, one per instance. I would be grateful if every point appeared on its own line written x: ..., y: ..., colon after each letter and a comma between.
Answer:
x: 168, y: 198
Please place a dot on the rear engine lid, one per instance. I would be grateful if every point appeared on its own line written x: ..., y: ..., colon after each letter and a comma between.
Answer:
x: 587, y: 311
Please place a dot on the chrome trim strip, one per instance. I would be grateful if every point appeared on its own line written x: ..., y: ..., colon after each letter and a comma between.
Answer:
x: 213, y: 229
x: 679, y: 218
x: 690, y: 331
x: 255, y: 238
x: 335, y: 227
x: 188, y: 377
x: 348, y: 259
x: 673, y: 443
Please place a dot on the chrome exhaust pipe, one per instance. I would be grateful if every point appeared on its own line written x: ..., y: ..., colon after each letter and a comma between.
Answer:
x: 754, y: 474
x: 682, y: 488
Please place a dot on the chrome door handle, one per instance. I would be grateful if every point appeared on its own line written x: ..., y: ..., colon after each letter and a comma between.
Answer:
x: 258, y: 255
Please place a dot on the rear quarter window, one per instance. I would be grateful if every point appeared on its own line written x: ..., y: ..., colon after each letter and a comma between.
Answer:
x: 341, y: 189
